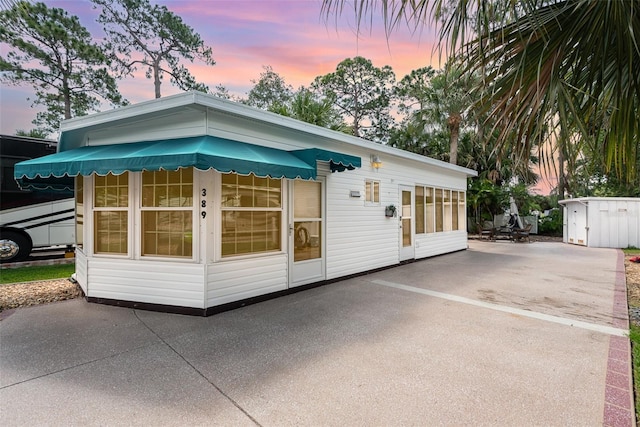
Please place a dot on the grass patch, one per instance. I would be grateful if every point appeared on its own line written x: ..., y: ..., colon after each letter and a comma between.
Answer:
x: 633, y: 287
x: 39, y: 272
x: 634, y: 336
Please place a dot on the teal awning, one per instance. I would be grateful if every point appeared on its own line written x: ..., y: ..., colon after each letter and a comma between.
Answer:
x: 202, y: 152
x: 338, y: 162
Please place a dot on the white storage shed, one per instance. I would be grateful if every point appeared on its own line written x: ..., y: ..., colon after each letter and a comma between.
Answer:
x: 602, y: 222
x: 195, y: 204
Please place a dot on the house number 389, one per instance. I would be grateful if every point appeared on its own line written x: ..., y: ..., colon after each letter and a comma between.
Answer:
x: 203, y: 203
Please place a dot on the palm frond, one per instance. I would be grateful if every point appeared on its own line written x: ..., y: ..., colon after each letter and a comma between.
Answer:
x: 551, y: 68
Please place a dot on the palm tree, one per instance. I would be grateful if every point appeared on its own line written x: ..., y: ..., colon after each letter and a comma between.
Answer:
x: 551, y: 68
x: 448, y: 101
x: 308, y: 107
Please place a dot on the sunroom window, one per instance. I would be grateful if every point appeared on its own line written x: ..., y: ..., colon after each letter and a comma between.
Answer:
x: 111, y: 213
x: 439, y: 204
x: 439, y: 209
x: 430, y: 210
x: 251, y: 214
x: 79, y: 201
x: 447, y: 210
x: 420, y: 213
x: 167, y: 213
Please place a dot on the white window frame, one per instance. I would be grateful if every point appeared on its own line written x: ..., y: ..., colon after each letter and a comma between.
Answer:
x: 90, y: 184
x: 219, y: 257
x: 134, y: 221
x: 370, y: 192
x: 195, y: 208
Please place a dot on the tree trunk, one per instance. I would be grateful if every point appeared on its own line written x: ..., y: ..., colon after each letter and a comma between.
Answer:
x: 454, y: 130
x: 561, y: 182
x: 156, y: 79
x: 67, y: 98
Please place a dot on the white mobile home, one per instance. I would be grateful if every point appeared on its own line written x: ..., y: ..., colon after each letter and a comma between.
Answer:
x: 602, y: 222
x: 195, y: 204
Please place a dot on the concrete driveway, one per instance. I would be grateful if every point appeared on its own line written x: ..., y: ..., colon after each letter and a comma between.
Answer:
x: 500, y: 334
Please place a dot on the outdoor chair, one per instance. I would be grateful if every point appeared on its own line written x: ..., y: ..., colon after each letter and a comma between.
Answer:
x: 519, y: 234
x: 506, y: 230
x: 487, y: 230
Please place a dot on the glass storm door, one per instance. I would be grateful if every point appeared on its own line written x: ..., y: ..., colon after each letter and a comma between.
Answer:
x: 306, y: 233
x: 405, y: 219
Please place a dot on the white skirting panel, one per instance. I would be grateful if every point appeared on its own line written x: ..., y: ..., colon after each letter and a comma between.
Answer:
x: 161, y: 282
x: 81, y: 270
x: 234, y: 280
x: 428, y: 245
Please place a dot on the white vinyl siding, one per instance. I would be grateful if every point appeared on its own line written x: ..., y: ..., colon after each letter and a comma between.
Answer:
x: 361, y: 238
x: 428, y: 245
x: 153, y: 282
x: 81, y: 270
x: 234, y: 280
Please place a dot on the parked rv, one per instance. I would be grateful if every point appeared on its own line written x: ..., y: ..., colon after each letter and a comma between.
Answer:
x: 40, y: 215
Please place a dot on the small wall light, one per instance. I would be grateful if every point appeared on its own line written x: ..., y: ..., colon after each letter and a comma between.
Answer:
x: 375, y: 161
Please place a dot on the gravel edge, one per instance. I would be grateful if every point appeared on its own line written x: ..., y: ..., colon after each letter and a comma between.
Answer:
x: 27, y: 294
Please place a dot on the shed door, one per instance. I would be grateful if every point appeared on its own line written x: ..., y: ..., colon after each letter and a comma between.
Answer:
x: 577, y: 224
x: 407, y: 235
x: 306, y: 233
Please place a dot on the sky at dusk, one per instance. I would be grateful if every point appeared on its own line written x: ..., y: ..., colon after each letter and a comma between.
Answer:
x: 289, y: 35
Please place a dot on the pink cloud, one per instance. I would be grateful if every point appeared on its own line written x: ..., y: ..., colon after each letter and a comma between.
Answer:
x: 291, y: 36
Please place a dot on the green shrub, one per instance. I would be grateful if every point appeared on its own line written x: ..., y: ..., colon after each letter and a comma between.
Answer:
x: 551, y: 225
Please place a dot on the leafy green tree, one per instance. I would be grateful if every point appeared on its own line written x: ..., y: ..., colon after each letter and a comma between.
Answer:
x: 269, y: 91
x: 525, y: 201
x: 362, y: 94
x: 154, y: 38
x: 222, y: 92
x: 412, y: 135
x: 54, y: 54
x: 33, y: 133
x: 412, y: 89
x: 485, y: 199
x: 308, y: 107
x: 589, y: 177
x: 546, y: 64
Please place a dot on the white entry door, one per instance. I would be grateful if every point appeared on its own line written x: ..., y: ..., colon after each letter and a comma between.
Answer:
x: 407, y: 229
x: 306, y: 232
